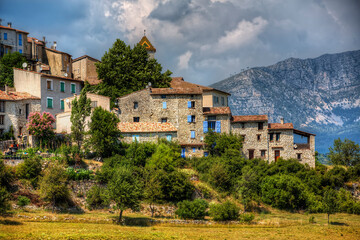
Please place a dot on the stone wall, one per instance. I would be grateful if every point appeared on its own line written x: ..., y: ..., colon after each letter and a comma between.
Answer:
x: 148, y: 137
x: 59, y: 62
x: 13, y: 40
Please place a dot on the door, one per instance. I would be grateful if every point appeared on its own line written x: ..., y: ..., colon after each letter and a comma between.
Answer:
x: 277, y: 154
x: 251, y: 154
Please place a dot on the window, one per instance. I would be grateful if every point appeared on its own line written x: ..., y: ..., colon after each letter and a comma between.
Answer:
x: 93, y: 104
x: 27, y: 110
x: 211, y: 122
x: 5, y: 36
x: 163, y: 96
x: 2, y: 106
x: 1, y: 131
x: 183, y: 152
x: 136, y: 119
x: 192, y: 134
x: 49, y: 84
x: 194, y: 149
x: 73, y: 88
x: 62, y: 104
x: 251, y: 153
x: 298, y: 156
x: 49, y: 102
x: 62, y: 86
x: 277, y: 137
x: 169, y: 137
x: 20, y: 111
x: 215, y: 99
x: 164, y: 120
x: 191, y: 118
x: 263, y: 153
x: 260, y: 126
x: 243, y: 136
x: 2, y: 118
x: 242, y: 125
x: 258, y: 137
x: 20, y: 51
x: 191, y: 104
x: 271, y: 137
x: 164, y: 105
x: 136, y: 105
x: 206, y: 154
x: 135, y: 138
x: 222, y: 101
x: 20, y: 39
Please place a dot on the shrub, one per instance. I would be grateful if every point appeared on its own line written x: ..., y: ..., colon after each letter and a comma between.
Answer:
x: 69, y: 154
x: 225, y: 211
x: 192, y: 209
x: 23, y: 201
x: 311, y: 219
x: 4, y: 200
x: 80, y: 174
x: 97, y: 197
x: 30, y: 168
x: 246, y: 217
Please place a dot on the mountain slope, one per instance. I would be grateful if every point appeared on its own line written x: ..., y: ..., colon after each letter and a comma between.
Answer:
x: 320, y: 95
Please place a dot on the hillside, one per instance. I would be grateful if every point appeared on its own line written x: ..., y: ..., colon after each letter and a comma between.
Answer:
x: 320, y: 95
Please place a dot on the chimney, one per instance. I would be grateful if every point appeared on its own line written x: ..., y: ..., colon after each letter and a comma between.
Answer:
x: 282, y: 120
x: 54, y: 45
x: 6, y: 89
x: 0, y: 21
x: 44, y: 39
x: 9, y: 24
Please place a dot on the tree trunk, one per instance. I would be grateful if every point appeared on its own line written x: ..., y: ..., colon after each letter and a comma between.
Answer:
x: 328, y: 218
x: 120, y: 216
x: 152, y: 210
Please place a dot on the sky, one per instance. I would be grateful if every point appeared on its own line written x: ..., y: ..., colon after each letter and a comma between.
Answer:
x: 204, y: 41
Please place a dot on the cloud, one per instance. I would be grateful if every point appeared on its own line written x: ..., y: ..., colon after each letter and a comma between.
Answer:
x: 184, y: 60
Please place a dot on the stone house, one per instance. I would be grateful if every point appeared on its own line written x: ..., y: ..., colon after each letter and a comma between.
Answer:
x: 192, y: 110
x: 52, y: 90
x: 12, y: 40
x: 84, y: 68
x: 60, y: 63
x: 15, y: 108
x: 63, y: 123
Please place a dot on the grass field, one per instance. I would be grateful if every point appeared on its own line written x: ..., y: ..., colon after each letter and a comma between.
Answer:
x: 99, y: 225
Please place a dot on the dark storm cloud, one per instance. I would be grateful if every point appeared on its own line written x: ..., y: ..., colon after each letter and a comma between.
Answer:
x: 172, y: 10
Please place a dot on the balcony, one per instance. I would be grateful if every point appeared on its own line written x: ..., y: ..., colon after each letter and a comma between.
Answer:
x: 300, y: 146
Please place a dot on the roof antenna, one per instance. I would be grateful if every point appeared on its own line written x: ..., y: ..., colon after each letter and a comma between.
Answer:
x: 144, y: 32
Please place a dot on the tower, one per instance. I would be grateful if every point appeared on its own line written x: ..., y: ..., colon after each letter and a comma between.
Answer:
x: 148, y: 46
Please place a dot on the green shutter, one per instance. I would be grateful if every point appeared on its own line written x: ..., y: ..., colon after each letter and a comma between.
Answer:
x: 62, y: 86
x: 49, y: 103
x: 62, y: 104
x: 73, y: 88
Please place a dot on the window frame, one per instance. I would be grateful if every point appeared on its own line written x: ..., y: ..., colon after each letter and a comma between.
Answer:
x: 62, y: 83
x: 51, y: 84
x: 136, y: 105
x: 164, y: 105
x: 62, y: 104
x: 136, y: 119
x: 260, y: 126
x: 20, y: 39
x: 192, y: 134
x: 2, y: 119
x: 2, y: 106
x: 163, y: 120
x: 52, y: 102
x: 71, y: 88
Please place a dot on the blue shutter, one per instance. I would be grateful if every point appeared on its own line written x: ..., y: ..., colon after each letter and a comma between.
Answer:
x: 164, y: 105
x: 206, y: 154
x: 205, y: 126
x: 192, y: 134
x: 189, y: 104
x: 218, y: 127
x: 194, y: 149
x: 189, y: 118
x: 183, y: 152
x: 168, y: 137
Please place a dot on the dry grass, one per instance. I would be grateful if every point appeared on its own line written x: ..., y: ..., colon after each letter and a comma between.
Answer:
x: 99, y: 225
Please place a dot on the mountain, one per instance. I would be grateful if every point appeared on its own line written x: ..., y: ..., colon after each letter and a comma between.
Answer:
x: 319, y: 95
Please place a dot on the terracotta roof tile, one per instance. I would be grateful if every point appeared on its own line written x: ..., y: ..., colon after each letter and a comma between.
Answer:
x: 37, y: 41
x: 86, y: 56
x: 167, y: 91
x: 9, y: 28
x: 145, y: 127
x: 16, y: 96
x: 280, y: 126
x: 216, y: 110
x: 250, y: 118
x: 57, y: 51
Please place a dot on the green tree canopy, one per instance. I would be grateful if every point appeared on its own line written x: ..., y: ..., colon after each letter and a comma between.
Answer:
x: 218, y: 144
x: 345, y: 152
x: 104, y: 132
x: 124, y: 70
x: 7, y: 63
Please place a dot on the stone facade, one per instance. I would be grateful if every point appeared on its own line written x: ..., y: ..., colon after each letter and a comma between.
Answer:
x: 15, y: 108
x: 60, y: 63
x: 12, y: 40
x: 47, y: 87
x: 84, y: 68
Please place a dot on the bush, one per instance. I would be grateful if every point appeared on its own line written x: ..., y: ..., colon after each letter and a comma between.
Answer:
x: 225, y: 211
x: 80, y: 174
x: 69, y: 154
x: 30, y: 168
x: 23, y: 201
x: 192, y: 209
x: 247, y: 217
x: 4, y: 200
x: 97, y: 197
x: 312, y: 219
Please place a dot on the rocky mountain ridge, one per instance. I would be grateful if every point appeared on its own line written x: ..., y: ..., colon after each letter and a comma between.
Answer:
x: 319, y: 95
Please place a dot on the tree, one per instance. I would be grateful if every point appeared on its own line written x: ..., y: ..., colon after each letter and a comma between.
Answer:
x: 218, y: 144
x: 247, y: 186
x: 125, y: 190
x: 104, y: 132
x: 4, y: 200
x: 124, y: 70
x: 6, y: 176
x: 80, y: 109
x: 192, y: 209
x: 330, y: 202
x: 40, y: 125
x: 53, y: 185
x: 224, y: 211
x: 344, y: 152
x: 153, y: 190
x: 7, y: 63
x: 30, y: 168
x: 164, y: 157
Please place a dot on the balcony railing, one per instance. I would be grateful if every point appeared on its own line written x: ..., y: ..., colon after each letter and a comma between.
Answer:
x: 301, y: 146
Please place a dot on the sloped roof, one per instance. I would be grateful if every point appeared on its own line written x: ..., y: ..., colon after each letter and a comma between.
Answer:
x: 36, y: 41
x: 49, y: 75
x: 280, y: 126
x: 17, y: 30
x: 147, y: 44
x: 250, y: 118
x: 57, y: 51
x: 179, y: 86
x: 86, y: 56
x: 16, y: 96
x: 145, y: 127
x: 217, y: 110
